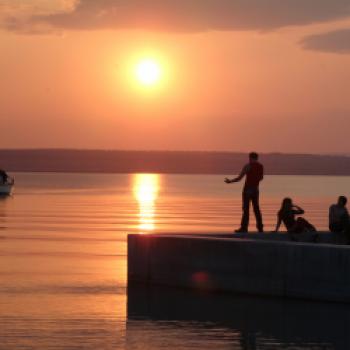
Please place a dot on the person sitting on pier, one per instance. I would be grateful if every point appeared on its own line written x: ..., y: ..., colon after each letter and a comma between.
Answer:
x: 339, y: 221
x: 287, y: 215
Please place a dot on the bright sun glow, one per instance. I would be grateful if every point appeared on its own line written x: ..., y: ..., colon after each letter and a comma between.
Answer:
x: 148, y: 72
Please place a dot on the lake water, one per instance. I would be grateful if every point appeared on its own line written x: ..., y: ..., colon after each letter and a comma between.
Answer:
x: 63, y: 265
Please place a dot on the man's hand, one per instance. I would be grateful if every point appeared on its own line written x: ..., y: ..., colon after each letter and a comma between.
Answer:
x: 228, y: 181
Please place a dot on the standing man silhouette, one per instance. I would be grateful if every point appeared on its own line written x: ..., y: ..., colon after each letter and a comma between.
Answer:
x: 254, y: 173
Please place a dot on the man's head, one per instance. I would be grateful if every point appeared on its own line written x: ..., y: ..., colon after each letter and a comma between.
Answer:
x: 342, y: 200
x: 253, y: 156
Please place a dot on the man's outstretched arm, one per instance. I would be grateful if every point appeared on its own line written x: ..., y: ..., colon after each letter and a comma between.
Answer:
x: 239, y: 177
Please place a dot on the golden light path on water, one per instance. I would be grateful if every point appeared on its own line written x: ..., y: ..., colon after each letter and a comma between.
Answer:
x: 146, y: 189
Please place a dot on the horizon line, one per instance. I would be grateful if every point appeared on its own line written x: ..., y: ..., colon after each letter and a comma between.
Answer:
x: 36, y: 149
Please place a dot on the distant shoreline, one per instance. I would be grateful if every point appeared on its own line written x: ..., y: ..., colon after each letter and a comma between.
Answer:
x: 158, y: 173
x: 167, y: 162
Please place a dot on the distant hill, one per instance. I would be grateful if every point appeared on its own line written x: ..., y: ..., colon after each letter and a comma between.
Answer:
x: 167, y: 162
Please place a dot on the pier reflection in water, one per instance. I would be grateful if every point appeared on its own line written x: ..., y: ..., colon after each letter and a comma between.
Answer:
x: 233, y: 322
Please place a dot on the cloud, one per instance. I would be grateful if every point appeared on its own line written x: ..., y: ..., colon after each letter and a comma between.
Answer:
x: 21, y: 16
x: 337, y: 41
x: 192, y: 15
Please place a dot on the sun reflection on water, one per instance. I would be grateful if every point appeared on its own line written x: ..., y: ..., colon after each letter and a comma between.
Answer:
x: 146, y: 189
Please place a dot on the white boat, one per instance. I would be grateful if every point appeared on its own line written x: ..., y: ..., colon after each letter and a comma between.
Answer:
x: 6, y: 188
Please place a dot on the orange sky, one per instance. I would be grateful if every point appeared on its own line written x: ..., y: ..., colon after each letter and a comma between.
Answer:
x: 230, y: 83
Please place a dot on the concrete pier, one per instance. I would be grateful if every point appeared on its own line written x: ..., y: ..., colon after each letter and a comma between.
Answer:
x: 259, y: 265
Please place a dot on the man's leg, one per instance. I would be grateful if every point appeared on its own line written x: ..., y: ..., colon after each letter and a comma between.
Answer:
x: 245, y: 207
x: 257, y: 212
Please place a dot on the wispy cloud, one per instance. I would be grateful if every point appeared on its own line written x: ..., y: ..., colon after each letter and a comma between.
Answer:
x: 190, y: 15
x: 21, y: 15
x: 337, y: 41
x: 20, y: 8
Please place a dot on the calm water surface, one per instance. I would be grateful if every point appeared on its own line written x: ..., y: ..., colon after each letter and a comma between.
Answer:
x: 63, y: 266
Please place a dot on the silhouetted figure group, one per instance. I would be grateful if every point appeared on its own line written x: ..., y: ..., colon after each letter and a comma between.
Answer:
x: 339, y: 220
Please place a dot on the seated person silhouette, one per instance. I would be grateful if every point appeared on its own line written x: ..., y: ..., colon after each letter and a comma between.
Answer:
x: 339, y: 221
x: 339, y: 216
x: 287, y: 215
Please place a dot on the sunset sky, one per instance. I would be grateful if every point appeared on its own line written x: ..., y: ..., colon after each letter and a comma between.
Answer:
x: 234, y: 75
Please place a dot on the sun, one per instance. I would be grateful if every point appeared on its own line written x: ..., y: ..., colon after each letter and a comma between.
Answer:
x: 148, y: 72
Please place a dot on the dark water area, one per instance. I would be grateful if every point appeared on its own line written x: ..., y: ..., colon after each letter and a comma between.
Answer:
x: 243, y: 322
x: 63, y: 266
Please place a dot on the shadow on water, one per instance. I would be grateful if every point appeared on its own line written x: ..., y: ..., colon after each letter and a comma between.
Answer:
x: 260, y: 323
